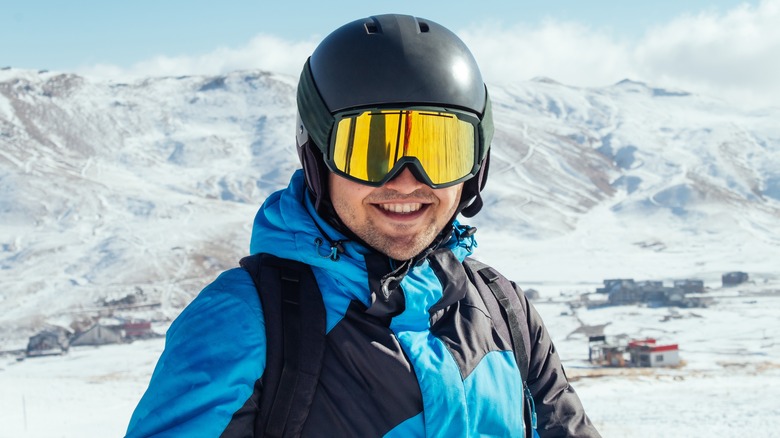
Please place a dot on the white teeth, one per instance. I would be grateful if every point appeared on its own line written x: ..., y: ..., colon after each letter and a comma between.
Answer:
x: 401, y: 208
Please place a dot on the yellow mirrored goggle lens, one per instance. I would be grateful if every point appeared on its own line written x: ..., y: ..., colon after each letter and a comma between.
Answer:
x: 367, y: 146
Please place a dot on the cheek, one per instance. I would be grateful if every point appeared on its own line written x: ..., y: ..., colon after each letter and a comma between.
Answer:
x: 450, y: 196
x: 346, y: 196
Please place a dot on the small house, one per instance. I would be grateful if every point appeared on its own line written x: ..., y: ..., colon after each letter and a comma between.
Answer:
x: 49, y: 342
x: 622, y: 295
x: 690, y: 286
x: 531, y: 294
x: 734, y: 278
x: 616, y: 283
x: 138, y: 329
x: 655, y: 298
x: 648, y: 353
x: 649, y: 285
x: 675, y: 296
x: 602, y: 353
x: 99, y: 334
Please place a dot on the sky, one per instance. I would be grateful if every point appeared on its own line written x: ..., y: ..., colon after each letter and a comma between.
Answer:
x: 726, y: 48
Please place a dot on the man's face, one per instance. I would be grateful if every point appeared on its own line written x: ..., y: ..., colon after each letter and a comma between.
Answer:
x: 400, y: 218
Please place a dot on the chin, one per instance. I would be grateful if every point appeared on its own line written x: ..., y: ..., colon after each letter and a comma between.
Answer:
x: 404, y: 252
x: 400, y: 256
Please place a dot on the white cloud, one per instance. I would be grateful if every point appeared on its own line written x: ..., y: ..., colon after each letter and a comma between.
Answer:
x: 734, y: 55
x: 263, y: 52
x: 567, y: 52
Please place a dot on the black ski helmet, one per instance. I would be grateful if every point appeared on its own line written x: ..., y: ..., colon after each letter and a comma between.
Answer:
x: 388, y: 60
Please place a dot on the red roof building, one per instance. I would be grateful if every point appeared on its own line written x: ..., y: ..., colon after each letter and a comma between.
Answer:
x: 648, y: 353
x: 138, y: 329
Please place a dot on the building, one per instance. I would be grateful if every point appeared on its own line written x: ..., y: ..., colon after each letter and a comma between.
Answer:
x: 675, y: 297
x: 648, y: 353
x: 138, y: 330
x: 649, y: 285
x: 604, y: 354
x: 53, y: 341
x: 620, y: 291
x: 734, y: 278
x: 690, y: 286
x: 616, y: 283
x: 531, y: 294
x: 99, y: 334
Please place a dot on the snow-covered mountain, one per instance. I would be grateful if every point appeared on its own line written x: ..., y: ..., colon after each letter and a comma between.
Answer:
x: 147, y: 189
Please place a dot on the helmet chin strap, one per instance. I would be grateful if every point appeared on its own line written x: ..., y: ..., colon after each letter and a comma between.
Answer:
x: 315, y: 172
x: 472, y: 190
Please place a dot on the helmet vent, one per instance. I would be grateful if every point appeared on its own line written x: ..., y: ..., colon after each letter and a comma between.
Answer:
x: 371, y: 28
x: 423, y: 27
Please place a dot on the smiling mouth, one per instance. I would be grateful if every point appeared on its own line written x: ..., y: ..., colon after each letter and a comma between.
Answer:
x: 404, y: 208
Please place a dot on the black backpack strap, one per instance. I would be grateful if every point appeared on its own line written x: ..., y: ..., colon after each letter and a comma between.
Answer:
x: 295, y: 324
x: 511, y: 309
x: 507, y: 319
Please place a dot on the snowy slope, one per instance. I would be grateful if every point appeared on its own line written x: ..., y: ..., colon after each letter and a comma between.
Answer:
x: 149, y: 188
x: 145, y: 188
x: 630, y: 180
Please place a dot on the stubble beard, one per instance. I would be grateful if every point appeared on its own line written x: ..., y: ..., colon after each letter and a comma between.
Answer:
x: 401, y: 247
x: 402, y: 243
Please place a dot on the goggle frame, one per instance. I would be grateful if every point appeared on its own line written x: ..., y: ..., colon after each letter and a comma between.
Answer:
x: 411, y: 162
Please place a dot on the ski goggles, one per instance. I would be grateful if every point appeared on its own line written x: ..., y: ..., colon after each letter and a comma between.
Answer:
x: 441, y: 147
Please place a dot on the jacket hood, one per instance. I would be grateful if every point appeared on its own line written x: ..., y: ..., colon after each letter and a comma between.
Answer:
x: 288, y: 226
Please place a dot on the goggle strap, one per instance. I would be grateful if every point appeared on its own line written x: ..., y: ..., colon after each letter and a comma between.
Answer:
x: 485, y: 128
x: 314, y: 113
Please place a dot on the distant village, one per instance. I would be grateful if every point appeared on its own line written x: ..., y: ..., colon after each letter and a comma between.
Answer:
x: 616, y: 292
x: 98, y: 326
x: 627, y: 291
x: 682, y: 293
x: 645, y: 352
x: 57, y: 340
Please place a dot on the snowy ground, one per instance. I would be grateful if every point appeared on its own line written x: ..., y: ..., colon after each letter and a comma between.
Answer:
x: 725, y: 388
x: 90, y: 392
x: 731, y: 363
x: 731, y: 360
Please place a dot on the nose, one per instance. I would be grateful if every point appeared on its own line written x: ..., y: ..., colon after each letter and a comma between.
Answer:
x: 404, y: 182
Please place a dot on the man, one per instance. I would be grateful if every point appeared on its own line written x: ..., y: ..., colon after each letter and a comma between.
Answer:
x: 393, y: 135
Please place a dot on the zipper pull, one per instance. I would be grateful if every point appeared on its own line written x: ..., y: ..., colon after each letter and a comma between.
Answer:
x: 530, y: 403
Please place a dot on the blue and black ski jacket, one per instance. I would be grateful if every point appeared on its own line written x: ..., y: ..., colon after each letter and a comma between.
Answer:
x: 427, y: 362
